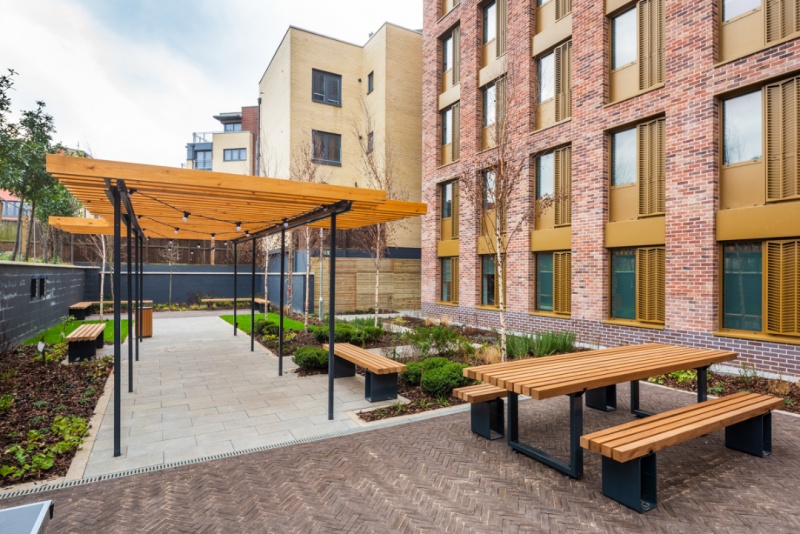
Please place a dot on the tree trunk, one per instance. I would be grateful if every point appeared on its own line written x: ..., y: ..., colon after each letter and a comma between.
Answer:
x: 18, y: 238
x: 308, y: 282
x: 500, y: 272
x: 31, y: 230
x: 46, y: 235
x: 170, y: 286
x: 377, y: 273
x: 290, y: 273
x: 102, y: 276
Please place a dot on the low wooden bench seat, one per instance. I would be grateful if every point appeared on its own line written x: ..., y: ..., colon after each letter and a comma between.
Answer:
x: 79, y: 310
x: 259, y: 302
x: 83, y: 342
x: 629, y: 461
x: 381, y: 372
x: 486, y: 410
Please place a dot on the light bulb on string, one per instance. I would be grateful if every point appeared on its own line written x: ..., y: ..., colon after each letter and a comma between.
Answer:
x: 186, y: 216
x: 176, y: 230
x: 238, y: 227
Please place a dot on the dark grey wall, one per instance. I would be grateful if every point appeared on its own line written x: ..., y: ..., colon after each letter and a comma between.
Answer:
x: 24, y: 316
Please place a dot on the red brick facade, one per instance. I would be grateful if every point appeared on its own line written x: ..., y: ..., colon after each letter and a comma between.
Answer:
x: 689, y: 100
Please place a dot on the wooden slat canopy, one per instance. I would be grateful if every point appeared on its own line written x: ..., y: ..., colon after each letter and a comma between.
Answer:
x: 215, y: 201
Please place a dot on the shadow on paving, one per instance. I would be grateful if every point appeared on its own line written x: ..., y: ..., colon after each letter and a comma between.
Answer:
x: 436, y: 476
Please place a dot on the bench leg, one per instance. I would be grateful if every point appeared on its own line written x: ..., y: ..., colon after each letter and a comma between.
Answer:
x: 80, y: 351
x: 99, y: 341
x: 632, y: 483
x: 380, y: 387
x: 343, y: 368
x: 753, y: 436
x: 487, y: 419
x: 79, y: 315
x: 604, y: 398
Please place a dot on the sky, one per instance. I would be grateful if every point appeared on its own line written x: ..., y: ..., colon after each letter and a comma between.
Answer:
x: 130, y: 80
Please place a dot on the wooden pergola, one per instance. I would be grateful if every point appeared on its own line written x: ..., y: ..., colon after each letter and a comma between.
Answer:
x: 141, y: 201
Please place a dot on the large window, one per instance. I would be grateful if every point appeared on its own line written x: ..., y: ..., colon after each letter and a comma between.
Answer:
x: 553, y: 274
x: 447, y: 200
x: 547, y: 79
x: 554, y: 180
x: 233, y: 127
x: 327, y: 148
x: 370, y: 82
x: 638, y: 36
x: 623, y: 39
x: 447, y: 53
x: 623, y: 157
x: 488, y: 281
x: 326, y: 87
x: 741, y: 286
x: 545, y: 176
x: 489, y: 192
x: 638, y: 156
x: 489, y: 105
x: 450, y: 134
x: 742, y: 138
x: 638, y: 284
x: 733, y: 8
x: 449, y: 282
x: 202, y: 160
x: 451, y: 59
x: 489, y: 22
x: 234, y: 154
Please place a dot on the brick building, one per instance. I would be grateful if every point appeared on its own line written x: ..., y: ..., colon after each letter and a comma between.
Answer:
x: 665, y: 131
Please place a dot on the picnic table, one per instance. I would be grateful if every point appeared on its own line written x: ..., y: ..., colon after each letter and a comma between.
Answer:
x: 594, y: 372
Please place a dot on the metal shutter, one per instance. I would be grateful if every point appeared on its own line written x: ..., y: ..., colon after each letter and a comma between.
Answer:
x: 563, y: 186
x: 650, y: 302
x: 562, y: 278
x: 783, y: 142
x: 783, y: 287
x: 563, y: 68
x: 650, y: 167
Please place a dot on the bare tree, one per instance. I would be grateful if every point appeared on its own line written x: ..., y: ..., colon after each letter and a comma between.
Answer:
x: 101, y: 245
x: 376, y: 167
x: 171, y: 254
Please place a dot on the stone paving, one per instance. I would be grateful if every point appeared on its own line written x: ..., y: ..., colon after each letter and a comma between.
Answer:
x: 199, y: 391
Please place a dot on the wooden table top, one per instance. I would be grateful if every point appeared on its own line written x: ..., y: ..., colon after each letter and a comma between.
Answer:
x: 551, y: 376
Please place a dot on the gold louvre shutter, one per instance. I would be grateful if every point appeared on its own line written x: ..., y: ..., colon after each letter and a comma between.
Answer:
x: 783, y: 287
x: 563, y: 8
x: 650, y: 285
x: 563, y: 186
x: 783, y: 142
x: 650, y: 15
x: 454, y: 280
x: 502, y: 27
x: 562, y: 278
x: 782, y: 19
x: 563, y: 64
x: 456, y: 55
x: 456, y: 131
x: 650, y: 168
x: 455, y: 210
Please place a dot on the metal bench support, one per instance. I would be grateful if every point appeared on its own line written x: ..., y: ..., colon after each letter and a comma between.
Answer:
x: 81, y: 351
x: 604, y: 399
x: 343, y: 368
x: 99, y: 341
x: 753, y: 436
x: 379, y: 387
x: 632, y: 483
x: 78, y: 313
x: 487, y: 419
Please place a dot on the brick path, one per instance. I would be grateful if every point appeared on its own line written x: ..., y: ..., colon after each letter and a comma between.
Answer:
x: 436, y: 476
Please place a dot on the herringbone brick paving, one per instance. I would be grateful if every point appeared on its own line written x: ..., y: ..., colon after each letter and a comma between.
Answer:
x: 436, y: 476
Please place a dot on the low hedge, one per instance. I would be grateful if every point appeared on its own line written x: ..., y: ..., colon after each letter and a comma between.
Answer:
x: 440, y: 381
x: 311, y: 358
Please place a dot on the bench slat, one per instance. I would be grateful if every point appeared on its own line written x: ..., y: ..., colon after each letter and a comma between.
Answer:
x: 375, y: 363
x: 479, y: 393
x: 86, y: 332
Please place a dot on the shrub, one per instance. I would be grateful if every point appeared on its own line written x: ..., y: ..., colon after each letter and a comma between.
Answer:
x: 489, y: 354
x: 270, y: 329
x: 6, y: 402
x: 310, y: 358
x: 434, y: 363
x: 263, y: 323
x: 441, y: 340
x: 373, y: 333
x: 547, y: 343
x: 414, y: 373
x: 440, y: 381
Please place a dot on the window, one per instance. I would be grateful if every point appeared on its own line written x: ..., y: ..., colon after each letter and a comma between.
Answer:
x: 233, y: 127
x: 563, y: 8
x: 638, y: 157
x: 447, y: 200
x: 34, y: 288
x: 449, y: 196
x: 488, y: 281
x: 488, y: 190
x: 783, y: 287
x: 623, y: 39
x: 554, y: 180
x: 489, y: 105
x: 742, y: 139
x: 782, y: 18
x: 783, y: 179
x: 733, y: 8
x: 202, y: 160
x: 555, y: 80
x: 447, y: 126
x: 449, y: 280
x: 451, y: 146
x: 545, y: 176
x: 234, y: 154
x: 489, y: 22
x: 553, y: 279
x: 623, y: 156
x: 42, y: 286
x: 370, y: 142
x: 741, y: 286
x: 451, y: 59
x: 327, y: 148
x: 326, y: 87
x: 447, y: 53
x: 370, y: 82
x: 547, y: 82
x: 637, y: 284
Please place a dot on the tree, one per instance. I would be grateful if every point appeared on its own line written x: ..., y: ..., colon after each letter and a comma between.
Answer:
x: 171, y: 254
x: 377, y: 172
x: 101, y: 245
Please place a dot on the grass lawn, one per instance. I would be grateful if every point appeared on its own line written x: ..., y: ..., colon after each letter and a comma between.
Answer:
x: 53, y: 335
x: 244, y: 321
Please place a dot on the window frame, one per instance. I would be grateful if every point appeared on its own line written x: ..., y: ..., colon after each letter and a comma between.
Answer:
x: 370, y: 82
x: 724, y: 128
x: 634, y: 10
x: 494, y: 295
x: 233, y: 127
x: 324, y: 98
x: 445, y: 187
x: 488, y: 28
x: 540, y: 78
x: 614, y: 150
x: 452, y: 285
x: 229, y: 153
x: 325, y: 137
x: 486, y: 116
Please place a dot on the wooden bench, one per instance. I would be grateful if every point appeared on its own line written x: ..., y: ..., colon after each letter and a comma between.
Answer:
x: 486, y: 409
x: 84, y: 341
x: 629, y: 461
x: 79, y: 310
x: 260, y: 303
x: 381, y: 372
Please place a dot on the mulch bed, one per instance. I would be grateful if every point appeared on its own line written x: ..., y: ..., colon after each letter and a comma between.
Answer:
x: 41, y: 392
x: 421, y: 401
x: 721, y: 385
x: 476, y: 335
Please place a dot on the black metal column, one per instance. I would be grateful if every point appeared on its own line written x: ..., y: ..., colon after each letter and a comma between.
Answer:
x: 702, y: 384
x: 117, y: 331
x: 235, y: 283
x: 141, y: 285
x: 135, y: 303
x: 130, y: 310
x: 280, y: 304
x: 253, y: 301
x: 331, y: 315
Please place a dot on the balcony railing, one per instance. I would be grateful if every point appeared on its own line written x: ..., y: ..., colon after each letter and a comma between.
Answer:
x: 202, y: 165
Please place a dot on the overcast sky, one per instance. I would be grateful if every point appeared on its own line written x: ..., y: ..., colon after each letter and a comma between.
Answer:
x: 132, y: 79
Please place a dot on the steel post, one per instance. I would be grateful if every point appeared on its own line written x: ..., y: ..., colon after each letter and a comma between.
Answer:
x: 117, y: 331
x: 331, y: 315
x: 281, y: 303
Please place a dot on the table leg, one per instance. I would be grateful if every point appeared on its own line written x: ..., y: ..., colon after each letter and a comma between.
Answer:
x: 702, y: 384
x: 635, y: 401
x: 575, y: 467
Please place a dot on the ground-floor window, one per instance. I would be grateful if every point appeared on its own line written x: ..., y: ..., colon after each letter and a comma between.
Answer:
x: 449, y: 282
x: 742, y: 286
x: 553, y: 279
x: 637, y: 284
x: 488, y: 281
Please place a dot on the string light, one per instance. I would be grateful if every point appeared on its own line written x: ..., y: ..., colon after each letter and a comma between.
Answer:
x: 247, y: 233
x: 176, y: 230
x: 238, y: 227
x: 198, y: 245
x: 186, y: 216
x: 212, y: 237
x: 131, y: 192
x: 285, y: 224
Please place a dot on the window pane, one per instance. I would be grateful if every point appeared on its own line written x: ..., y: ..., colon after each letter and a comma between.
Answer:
x: 334, y: 148
x: 733, y: 8
x: 447, y: 200
x: 447, y: 278
x: 623, y: 284
x: 318, y: 86
x: 332, y: 89
x: 447, y: 54
x: 742, y: 122
x: 623, y: 39
x: 489, y: 22
x: 741, y: 286
x: 370, y: 82
x: 487, y: 280
x: 489, y: 105
x: 547, y: 80
x: 447, y: 127
x: 623, y: 153
x: 545, y: 174
x: 488, y: 190
x: 544, y: 282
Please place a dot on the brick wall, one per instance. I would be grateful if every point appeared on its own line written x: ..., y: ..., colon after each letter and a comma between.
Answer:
x: 689, y: 100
